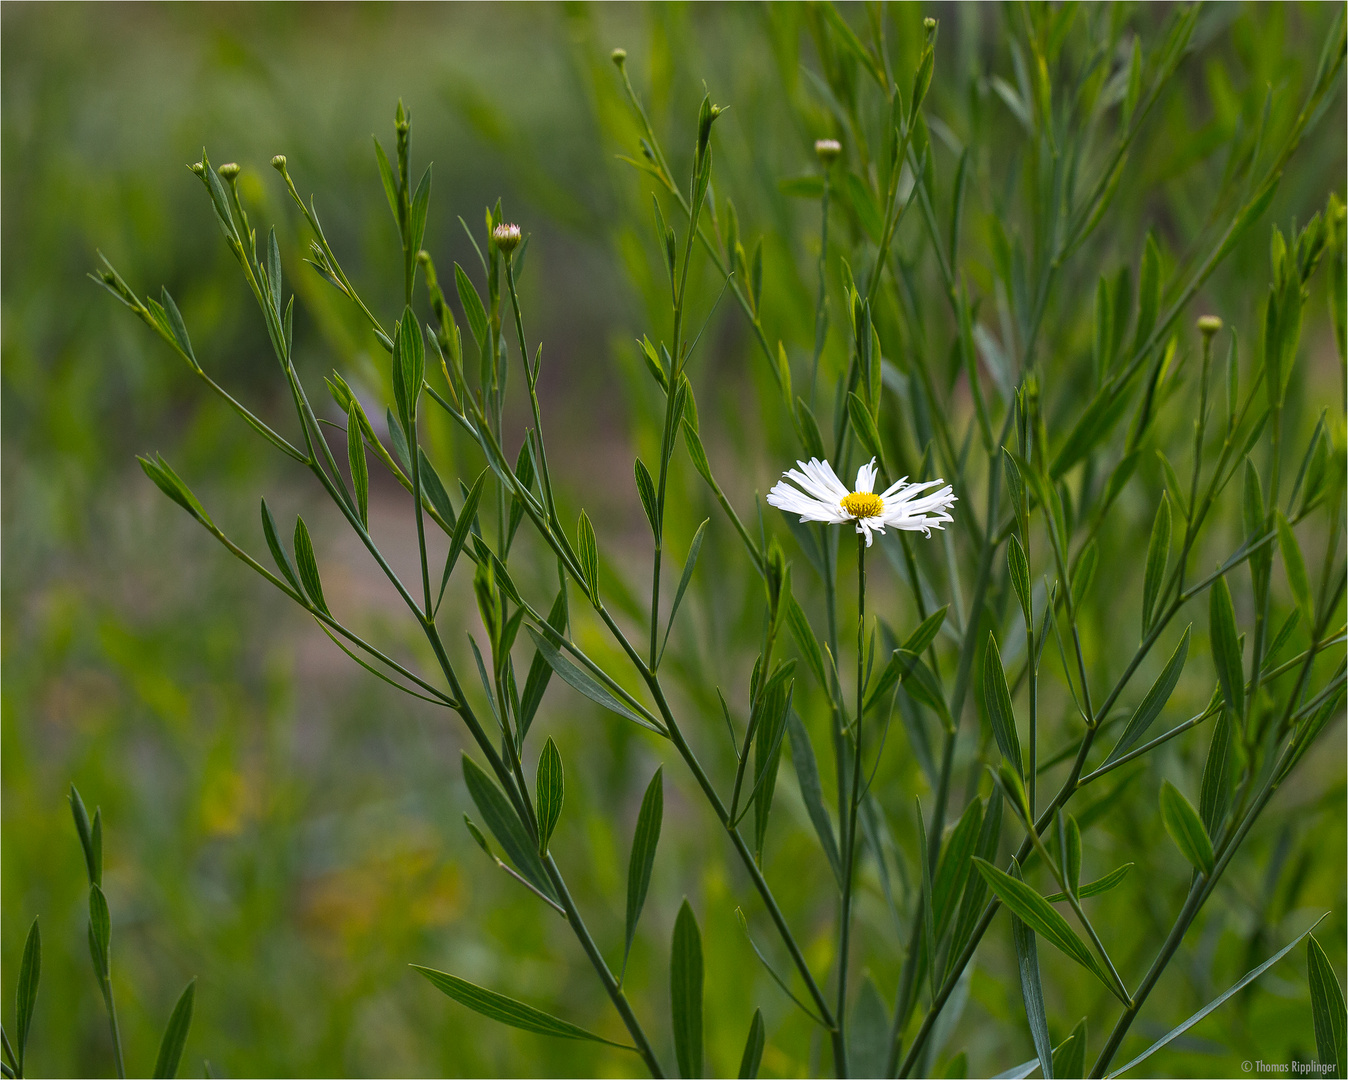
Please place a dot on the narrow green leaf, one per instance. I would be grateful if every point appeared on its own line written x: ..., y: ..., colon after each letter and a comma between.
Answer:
x: 588, y: 552
x: 642, y: 859
x: 1172, y: 484
x: 928, y: 901
x: 540, y: 671
x: 274, y: 271
x: 278, y: 552
x: 176, y: 324
x: 1019, y: 568
x: 685, y: 992
x: 997, y: 703
x: 1295, y: 568
x: 771, y: 708
x: 1069, y: 1056
x: 753, y: 1048
x: 976, y: 891
x: 1096, y: 887
x: 100, y: 932
x: 171, y: 484
x: 646, y: 489
x: 580, y: 679
x: 688, y: 566
x: 1043, y: 919
x: 1327, y: 1009
x: 1032, y: 989
x: 1155, y: 699
x: 863, y: 205
x: 808, y: 427
x: 868, y: 1032
x: 812, y: 792
x: 1226, y: 651
x: 433, y: 488
x: 1185, y: 827
x: 93, y: 854
x: 473, y: 310
x: 386, y: 175
x: 864, y: 426
x: 1215, y: 793
x: 175, y: 1035
x: 416, y: 226
x: 505, y: 825
x: 507, y: 1010
x: 360, y: 469
x: 30, y: 974
x: 463, y: 527
x: 308, y: 565
x: 1084, y: 573
x: 955, y: 865
x: 805, y: 641
x: 1158, y: 559
x: 1180, y: 1029
x: 550, y: 785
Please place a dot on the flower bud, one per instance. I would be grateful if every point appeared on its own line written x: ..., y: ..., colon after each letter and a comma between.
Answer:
x: 1209, y: 325
x: 507, y: 238
x: 198, y: 168
x: 827, y: 150
x: 279, y: 163
x: 618, y: 56
x: 229, y: 171
x: 929, y: 24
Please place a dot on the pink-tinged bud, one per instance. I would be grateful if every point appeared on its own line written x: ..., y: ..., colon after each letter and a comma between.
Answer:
x: 507, y: 238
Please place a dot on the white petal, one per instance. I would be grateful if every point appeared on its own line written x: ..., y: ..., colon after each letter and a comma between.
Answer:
x: 866, y: 477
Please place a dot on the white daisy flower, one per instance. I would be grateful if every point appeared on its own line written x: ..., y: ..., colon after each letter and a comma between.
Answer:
x: 820, y: 496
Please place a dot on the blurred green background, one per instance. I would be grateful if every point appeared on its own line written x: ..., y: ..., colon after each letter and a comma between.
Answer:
x: 283, y: 826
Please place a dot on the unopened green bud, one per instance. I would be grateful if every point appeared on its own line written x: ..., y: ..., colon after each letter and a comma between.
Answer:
x: 229, y: 171
x: 279, y: 163
x: 929, y: 24
x: 827, y: 150
x: 1209, y: 325
x: 618, y: 56
x: 424, y: 257
x: 198, y: 168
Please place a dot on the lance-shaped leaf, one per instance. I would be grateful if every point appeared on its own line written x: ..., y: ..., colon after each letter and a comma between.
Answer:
x: 30, y: 973
x: 1185, y: 827
x: 956, y: 863
x: 308, y: 566
x: 864, y: 426
x: 278, y: 551
x: 685, y: 992
x: 646, y: 489
x: 1327, y: 1008
x: 1295, y: 566
x: 1158, y: 558
x: 1180, y: 1029
x: 769, y: 720
x: 1019, y: 569
x: 175, y: 1035
x: 1226, y: 646
x: 463, y: 528
x: 1043, y: 919
x: 868, y: 1032
x: 642, y: 860
x: 1069, y: 1056
x: 540, y: 671
x: 587, y: 551
x: 507, y: 1010
x: 812, y: 792
x: 91, y: 837
x: 473, y: 310
x: 360, y: 469
x: 1032, y: 989
x: 1215, y: 793
x: 693, y: 550
x: 580, y: 679
x: 1096, y: 887
x: 506, y: 826
x: 100, y: 935
x: 1154, y: 701
x: 551, y: 787
x: 806, y: 642
x: 997, y: 702
x: 753, y: 1048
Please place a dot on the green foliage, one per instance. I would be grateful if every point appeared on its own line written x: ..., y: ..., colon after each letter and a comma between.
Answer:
x: 993, y: 281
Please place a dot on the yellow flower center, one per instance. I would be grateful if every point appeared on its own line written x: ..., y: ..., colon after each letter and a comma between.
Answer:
x: 863, y: 504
